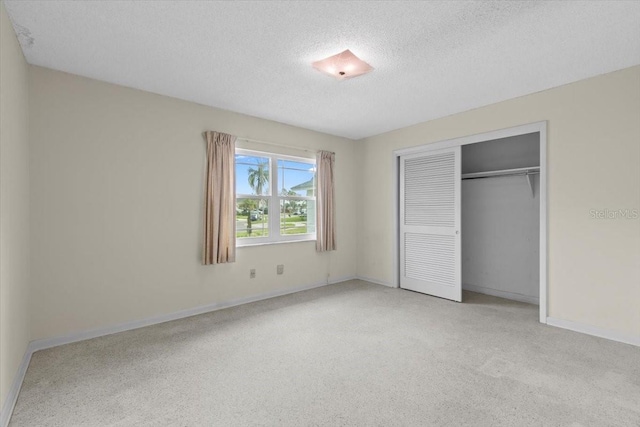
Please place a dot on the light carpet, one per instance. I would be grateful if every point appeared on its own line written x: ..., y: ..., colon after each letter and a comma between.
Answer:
x: 352, y: 354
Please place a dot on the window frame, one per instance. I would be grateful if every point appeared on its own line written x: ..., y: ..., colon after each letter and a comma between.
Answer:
x: 273, y: 201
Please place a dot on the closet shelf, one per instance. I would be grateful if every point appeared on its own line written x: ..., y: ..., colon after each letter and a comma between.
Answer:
x: 505, y: 172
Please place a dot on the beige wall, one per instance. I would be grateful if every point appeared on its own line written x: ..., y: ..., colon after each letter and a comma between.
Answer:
x: 593, y: 162
x: 14, y: 205
x: 116, y: 202
x: 117, y: 188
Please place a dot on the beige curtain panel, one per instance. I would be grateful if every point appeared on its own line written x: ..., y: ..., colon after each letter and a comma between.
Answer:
x: 326, y: 205
x: 219, y: 200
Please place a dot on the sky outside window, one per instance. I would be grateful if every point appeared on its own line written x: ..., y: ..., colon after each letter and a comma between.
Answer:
x: 290, y: 174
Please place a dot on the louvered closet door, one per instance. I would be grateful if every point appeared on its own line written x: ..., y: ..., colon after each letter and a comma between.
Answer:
x: 430, y: 223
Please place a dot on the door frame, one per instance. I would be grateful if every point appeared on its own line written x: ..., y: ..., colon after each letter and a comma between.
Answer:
x: 541, y: 128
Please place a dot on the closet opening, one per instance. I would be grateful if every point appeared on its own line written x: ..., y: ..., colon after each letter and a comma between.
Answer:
x: 500, y: 209
x: 471, y: 215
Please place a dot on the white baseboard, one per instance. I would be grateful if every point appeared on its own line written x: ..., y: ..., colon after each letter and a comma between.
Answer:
x: 376, y: 281
x: 45, y: 343
x: 560, y: 323
x: 341, y: 279
x: 14, y: 390
x: 502, y: 294
x: 41, y: 344
x: 595, y: 331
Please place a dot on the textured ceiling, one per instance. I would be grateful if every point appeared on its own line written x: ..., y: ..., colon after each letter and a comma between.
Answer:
x: 431, y: 59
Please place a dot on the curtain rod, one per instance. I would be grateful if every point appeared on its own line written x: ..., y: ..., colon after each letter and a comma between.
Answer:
x: 277, y: 145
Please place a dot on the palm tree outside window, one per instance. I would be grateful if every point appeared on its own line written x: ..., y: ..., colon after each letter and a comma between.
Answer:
x: 275, y: 197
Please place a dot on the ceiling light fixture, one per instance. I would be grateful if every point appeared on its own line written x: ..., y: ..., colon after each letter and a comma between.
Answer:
x: 344, y: 65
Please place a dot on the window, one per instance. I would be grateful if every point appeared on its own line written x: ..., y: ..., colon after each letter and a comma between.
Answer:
x: 275, y: 198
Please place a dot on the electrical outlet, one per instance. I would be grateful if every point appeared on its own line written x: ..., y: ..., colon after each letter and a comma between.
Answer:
x: 252, y: 273
x: 280, y: 268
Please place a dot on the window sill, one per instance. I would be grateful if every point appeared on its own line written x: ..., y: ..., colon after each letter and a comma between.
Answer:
x: 283, y: 242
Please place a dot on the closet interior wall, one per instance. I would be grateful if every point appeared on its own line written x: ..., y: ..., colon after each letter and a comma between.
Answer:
x: 501, y: 219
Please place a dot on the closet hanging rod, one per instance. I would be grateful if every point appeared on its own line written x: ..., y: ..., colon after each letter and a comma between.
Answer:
x: 504, y: 172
